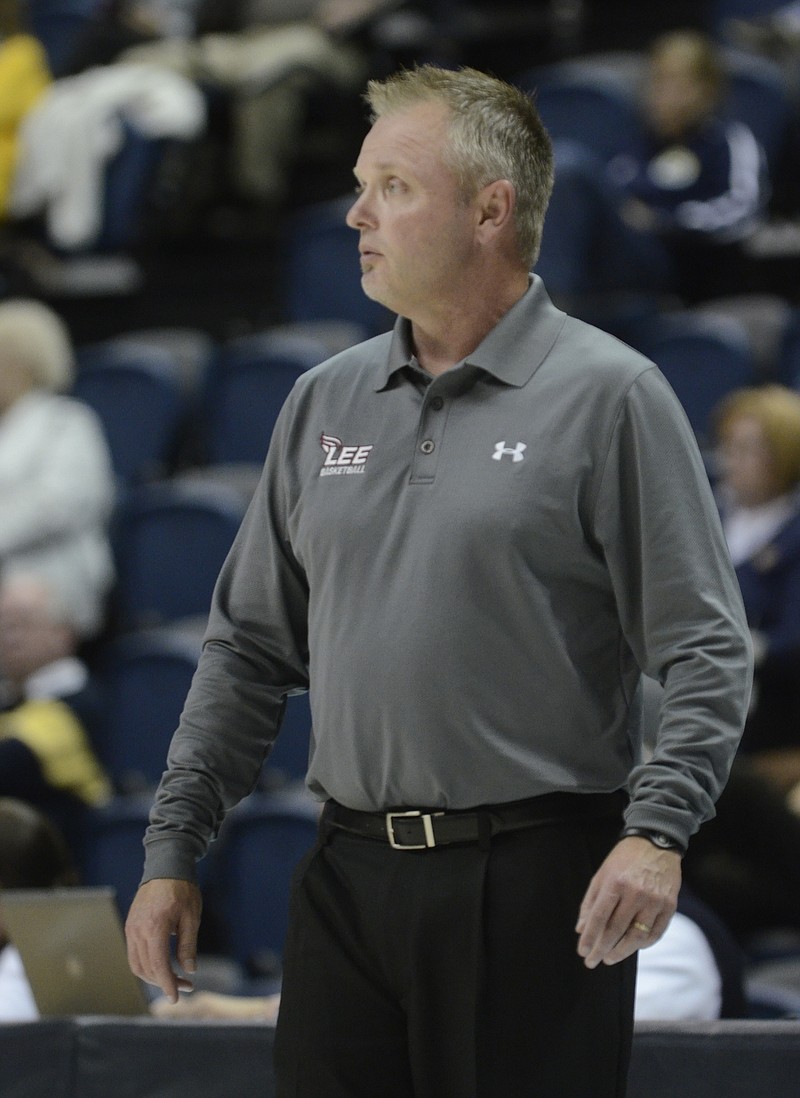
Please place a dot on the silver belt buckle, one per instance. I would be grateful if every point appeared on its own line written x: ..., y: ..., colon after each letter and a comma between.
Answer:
x: 427, y: 827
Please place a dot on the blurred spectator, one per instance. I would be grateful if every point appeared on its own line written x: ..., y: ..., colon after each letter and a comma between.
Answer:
x: 24, y: 75
x: 50, y: 703
x: 588, y: 249
x: 265, y: 59
x: 746, y: 862
x: 32, y: 855
x: 759, y: 487
x: 694, y: 972
x: 776, y: 34
x: 57, y: 487
x: 696, y: 181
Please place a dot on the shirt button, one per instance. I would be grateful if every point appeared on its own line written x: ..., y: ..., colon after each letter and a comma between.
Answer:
x: 437, y: 404
x: 428, y: 446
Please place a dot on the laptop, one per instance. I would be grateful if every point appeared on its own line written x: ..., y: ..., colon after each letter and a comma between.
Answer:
x: 72, y: 945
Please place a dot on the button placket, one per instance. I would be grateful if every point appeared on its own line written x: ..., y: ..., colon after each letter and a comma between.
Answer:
x: 429, y: 438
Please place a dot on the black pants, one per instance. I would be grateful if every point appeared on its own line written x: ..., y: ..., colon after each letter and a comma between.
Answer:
x: 451, y: 973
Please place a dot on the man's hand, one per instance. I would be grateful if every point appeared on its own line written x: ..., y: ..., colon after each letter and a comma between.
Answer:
x: 629, y: 901
x: 161, y: 908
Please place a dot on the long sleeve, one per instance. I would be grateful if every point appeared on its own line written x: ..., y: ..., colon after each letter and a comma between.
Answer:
x: 679, y: 605
x: 254, y: 655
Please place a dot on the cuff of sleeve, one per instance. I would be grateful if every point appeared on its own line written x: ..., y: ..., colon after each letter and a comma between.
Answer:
x: 169, y: 858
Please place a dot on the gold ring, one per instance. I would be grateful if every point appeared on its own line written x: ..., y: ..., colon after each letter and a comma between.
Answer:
x: 643, y: 927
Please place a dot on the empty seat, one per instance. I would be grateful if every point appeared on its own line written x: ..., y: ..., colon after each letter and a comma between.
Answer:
x: 703, y: 357
x: 585, y: 105
x: 59, y: 25
x: 112, y: 852
x: 323, y: 277
x: 288, y: 759
x: 170, y: 541
x: 250, y: 380
x: 146, y: 676
x: 260, y: 844
x: 136, y: 392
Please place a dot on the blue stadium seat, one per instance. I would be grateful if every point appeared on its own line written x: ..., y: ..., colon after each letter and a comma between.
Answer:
x: 59, y: 24
x: 588, y: 106
x: 288, y: 760
x: 146, y: 675
x: 789, y: 358
x: 260, y: 844
x: 112, y: 852
x: 720, y: 11
x: 135, y: 388
x: 703, y: 357
x: 170, y: 540
x: 323, y: 272
x: 251, y: 377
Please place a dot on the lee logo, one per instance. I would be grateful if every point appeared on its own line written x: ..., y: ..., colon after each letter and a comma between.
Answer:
x: 342, y: 460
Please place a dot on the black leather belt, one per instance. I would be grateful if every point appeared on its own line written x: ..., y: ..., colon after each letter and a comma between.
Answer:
x: 424, y: 829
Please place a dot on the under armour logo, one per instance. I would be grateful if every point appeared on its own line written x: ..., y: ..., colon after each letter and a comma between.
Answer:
x: 516, y: 453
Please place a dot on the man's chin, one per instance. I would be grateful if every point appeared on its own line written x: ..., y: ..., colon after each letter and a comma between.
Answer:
x: 373, y: 290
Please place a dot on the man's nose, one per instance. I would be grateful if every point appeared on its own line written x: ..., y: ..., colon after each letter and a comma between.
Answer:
x: 359, y: 213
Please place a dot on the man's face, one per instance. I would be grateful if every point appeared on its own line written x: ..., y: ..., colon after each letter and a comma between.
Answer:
x: 417, y: 233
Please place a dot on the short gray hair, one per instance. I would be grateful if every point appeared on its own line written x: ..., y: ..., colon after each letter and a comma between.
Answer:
x: 495, y: 132
x: 33, y: 333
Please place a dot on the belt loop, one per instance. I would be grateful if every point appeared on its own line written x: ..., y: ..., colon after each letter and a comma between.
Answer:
x: 484, y: 832
x: 325, y: 826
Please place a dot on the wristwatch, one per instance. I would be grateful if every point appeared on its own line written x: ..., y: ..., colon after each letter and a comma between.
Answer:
x: 657, y: 838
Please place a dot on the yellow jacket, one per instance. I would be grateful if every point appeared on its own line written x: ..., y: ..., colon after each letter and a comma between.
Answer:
x: 50, y: 729
x: 24, y: 75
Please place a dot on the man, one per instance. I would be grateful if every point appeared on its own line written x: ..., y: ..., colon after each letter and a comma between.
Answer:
x: 470, y: 536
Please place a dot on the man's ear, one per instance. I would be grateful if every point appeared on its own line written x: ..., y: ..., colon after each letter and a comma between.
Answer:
x: 495, y: 207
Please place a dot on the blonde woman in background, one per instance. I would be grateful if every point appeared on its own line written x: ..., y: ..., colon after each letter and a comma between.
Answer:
x: 759, y: 448
x: 57, y: 486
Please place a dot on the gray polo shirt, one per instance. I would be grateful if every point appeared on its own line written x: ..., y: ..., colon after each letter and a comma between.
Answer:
x: 471, y: 571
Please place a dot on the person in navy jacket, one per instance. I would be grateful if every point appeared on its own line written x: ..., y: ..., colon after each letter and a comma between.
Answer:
x: 693, y: 177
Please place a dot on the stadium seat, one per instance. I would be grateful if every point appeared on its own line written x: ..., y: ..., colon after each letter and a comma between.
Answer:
x: 720, y: 11
x: 587, y: 106
x: 112, y: 852
x: 323, y: 273
x: 768, y: 320
x: 250, y: 379
x: 146, y: 675
x: 789, y: 356
x: 59, y: 24
x: 703, y: 357
x: 135, y: 389
x: 170, y: 540
x: 260, y: 844
x: 288, y: 760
